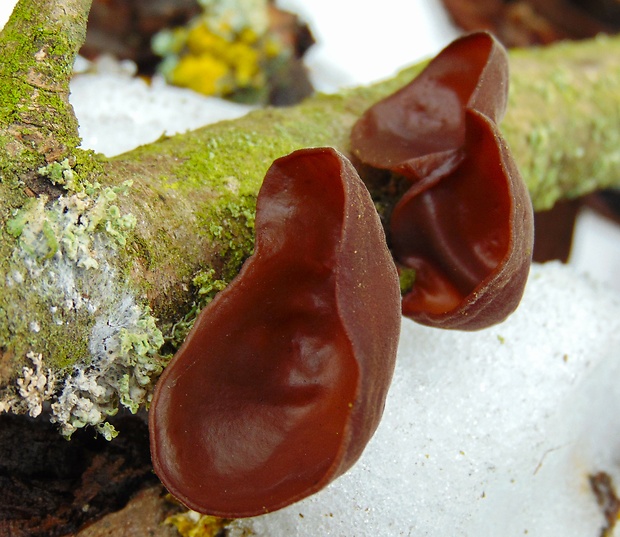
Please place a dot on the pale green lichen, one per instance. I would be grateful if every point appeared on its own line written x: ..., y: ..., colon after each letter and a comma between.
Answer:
x: 122, y: 368
x: 58, y: 172
x: 61, y: 173
x: 63, y: 257
x: 207, y: 285
x: 66, y: 227
x: 565, y: 141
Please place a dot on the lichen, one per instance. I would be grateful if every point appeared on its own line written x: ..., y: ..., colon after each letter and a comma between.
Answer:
x: 66, y: 228
x: 63, y: 256
x: 35, y: 387
x: 206, y: 285
x: 122, y: 368
x: 565, y: 139
x: 193, y: 524
x: 227, y: 51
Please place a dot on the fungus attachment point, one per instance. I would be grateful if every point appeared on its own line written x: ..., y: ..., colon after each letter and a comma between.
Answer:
x: 465, y: 226
x: 283, y: 379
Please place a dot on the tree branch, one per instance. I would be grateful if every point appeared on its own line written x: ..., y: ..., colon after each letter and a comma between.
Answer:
x: 39, y: 44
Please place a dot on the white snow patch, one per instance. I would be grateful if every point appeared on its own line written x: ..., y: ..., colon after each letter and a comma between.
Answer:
x: 119, y: 112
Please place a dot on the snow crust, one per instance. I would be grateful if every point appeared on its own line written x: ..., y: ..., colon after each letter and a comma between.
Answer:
x: 118, y: 112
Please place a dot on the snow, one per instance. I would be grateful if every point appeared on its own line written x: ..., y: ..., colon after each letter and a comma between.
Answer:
x: 361, y: 42
x: 6, y: 8
x: 117, y: 112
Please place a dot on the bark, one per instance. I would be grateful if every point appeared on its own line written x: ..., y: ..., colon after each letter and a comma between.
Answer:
x: 105, y: 262
x: 560, y: 125
x: 39, y: 44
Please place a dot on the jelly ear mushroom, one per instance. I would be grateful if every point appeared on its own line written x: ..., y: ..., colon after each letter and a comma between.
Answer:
x: 425, y: 119
x: 282, y: 380
x: 468, y: 237
x: 465, y: 226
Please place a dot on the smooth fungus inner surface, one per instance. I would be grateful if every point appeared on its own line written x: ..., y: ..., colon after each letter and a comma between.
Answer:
x: 457, y: 233
x: 252, y: 413
x: 427, y: 116
x: 464, y: 227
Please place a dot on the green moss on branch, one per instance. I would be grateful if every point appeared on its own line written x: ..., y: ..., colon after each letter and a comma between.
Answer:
x: 563, y: 118
x: 39, y: 44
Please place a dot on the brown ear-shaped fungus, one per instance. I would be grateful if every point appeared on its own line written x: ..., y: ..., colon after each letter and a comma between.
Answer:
x: 466, y: 224
x: 283, y: 378
x: 468, y: 237
x: 426, y: 118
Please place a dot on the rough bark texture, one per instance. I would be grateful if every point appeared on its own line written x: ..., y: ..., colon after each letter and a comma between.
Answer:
x: 100, y: 277
x: 39, y: 44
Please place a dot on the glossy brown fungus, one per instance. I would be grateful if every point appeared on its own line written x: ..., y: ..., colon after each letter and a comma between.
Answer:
x: 415, y: 126
x: 465, y: 226
x: 282, y: 380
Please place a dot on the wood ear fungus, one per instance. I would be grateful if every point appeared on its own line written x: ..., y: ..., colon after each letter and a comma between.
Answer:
x: 283, y: 378
x: 465, y: 226
x: 417, y: 125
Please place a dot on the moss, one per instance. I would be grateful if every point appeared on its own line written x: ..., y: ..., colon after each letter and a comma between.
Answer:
x: 229, y: 227
x: 549, y: 81
x: 35, y: 69
x: 202, y: 191
x: 34, y: 242
x: 407, y: 279
x: 195, y: 196
x: 565, y: 139
x: 42, y: 48
x: 206, y: 285
x: 66, y: 300
x: 124, y: 364
x: 33, y: 322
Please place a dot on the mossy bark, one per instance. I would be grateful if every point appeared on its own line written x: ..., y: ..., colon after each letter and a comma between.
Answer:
x: 563, y: 118
x: 192, y: 196
x: 39, y: 44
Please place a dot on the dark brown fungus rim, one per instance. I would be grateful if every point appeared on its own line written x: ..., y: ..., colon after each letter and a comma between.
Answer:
x: 282, y: 380
x: 425, y: 119
x: 465, y: 226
